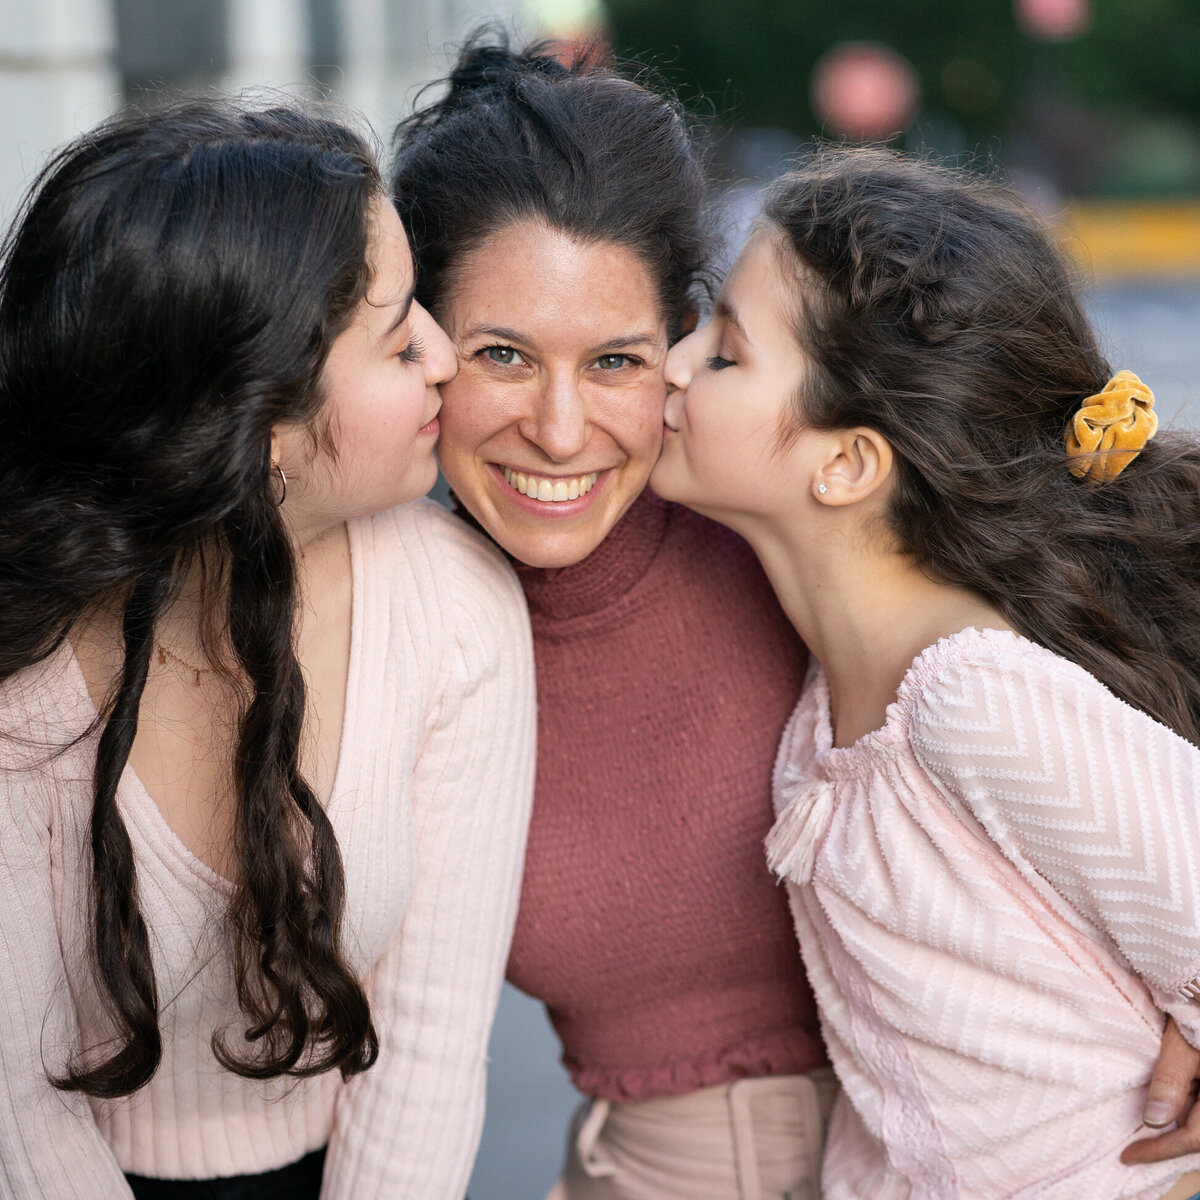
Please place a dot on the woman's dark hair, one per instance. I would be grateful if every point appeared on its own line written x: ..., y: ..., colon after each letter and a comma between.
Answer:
x: 520, y: 137
x: 934, y: 309
x: 169, y: 293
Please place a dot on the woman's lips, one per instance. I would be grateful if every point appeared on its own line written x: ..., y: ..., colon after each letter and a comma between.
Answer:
x: 577, y: 492
x: 549, y: 489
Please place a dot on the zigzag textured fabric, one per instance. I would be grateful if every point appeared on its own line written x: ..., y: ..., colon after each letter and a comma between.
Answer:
x: 997, y: 896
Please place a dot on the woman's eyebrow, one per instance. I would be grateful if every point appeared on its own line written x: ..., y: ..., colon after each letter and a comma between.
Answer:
x: 625, y: 341
x: 495, y: 331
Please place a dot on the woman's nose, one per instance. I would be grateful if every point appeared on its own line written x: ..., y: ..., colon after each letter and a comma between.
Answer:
x: 559, y: 424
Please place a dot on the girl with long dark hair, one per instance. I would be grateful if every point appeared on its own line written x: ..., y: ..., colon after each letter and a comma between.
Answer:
x: 988, y: 795
x: 267, y: 737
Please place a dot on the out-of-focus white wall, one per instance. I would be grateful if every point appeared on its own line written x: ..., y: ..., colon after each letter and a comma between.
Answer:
x: 57, y: 76
x: 66, y: 64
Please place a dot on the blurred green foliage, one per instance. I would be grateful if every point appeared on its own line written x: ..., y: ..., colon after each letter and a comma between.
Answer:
x: 1120, y: 105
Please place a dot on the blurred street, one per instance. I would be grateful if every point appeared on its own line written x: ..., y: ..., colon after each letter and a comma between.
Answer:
x: 1153, y: 328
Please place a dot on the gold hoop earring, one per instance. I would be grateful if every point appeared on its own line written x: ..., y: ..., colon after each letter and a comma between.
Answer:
x: 282, y: 481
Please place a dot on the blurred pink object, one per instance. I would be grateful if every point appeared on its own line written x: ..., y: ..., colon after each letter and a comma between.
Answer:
x: 865, y: 91
x: 1054, y: 20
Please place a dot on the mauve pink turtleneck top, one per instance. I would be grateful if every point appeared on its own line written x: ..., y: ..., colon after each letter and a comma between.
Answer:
x: 649, y: 924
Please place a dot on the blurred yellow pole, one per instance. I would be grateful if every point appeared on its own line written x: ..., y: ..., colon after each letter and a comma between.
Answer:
x: 1135, y: 238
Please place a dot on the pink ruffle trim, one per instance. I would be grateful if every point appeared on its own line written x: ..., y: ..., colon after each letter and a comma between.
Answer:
x: 789, y: 1052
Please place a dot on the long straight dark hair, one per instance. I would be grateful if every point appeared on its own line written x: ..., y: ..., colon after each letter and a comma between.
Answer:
x: 935, y: 309
x: 169, y: 293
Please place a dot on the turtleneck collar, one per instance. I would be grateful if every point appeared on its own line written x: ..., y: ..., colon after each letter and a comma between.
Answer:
x: 608, y: 573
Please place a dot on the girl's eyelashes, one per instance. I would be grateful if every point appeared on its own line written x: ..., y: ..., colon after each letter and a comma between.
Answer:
x: 414, y: 351
x: 717, y: 363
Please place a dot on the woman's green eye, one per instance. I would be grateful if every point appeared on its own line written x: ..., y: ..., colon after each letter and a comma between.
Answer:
x: 506, y: 356
x: 612, y: 362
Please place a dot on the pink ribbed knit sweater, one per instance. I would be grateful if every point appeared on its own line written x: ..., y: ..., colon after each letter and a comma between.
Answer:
x: 997, y: 899
x: 648, y: 924
x: 429, y: 804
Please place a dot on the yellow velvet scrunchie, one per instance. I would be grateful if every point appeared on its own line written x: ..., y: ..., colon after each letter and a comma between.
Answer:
x: 1112, y: 426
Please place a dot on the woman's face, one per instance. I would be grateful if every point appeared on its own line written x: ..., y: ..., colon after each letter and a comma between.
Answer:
x: 554, y: 420
x: 732, y: 385
x: 379, y: 385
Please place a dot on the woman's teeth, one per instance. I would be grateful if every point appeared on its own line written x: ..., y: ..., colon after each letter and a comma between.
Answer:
x: 554, y: 491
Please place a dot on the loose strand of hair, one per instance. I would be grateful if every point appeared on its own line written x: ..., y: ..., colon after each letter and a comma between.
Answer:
x: 308, y: 1012
x: 124, y: 966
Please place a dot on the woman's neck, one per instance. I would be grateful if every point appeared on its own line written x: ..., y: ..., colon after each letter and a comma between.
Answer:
x: 865, y: 614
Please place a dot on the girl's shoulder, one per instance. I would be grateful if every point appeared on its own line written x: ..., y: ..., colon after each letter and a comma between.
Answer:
x: 993, y: 703
x: 422, y: 552
x: 46, y: 701
x: 989, y: 670
x: 436, y: 597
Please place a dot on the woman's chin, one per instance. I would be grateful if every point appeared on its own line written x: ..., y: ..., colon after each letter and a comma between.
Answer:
x: 550, y: 548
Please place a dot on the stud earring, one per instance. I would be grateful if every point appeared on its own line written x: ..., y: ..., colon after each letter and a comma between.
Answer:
x: 822, y: 488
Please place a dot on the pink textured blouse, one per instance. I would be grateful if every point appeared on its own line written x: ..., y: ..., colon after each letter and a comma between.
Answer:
x: 648, y: 925
x: 997, y: 898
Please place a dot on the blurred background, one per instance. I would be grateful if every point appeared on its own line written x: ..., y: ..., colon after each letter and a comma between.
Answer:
x: 1089, y: 107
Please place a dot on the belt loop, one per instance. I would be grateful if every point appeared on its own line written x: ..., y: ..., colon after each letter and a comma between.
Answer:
x: 745, y: 1152
x: 769, y: 1104
x: 595, y: 1165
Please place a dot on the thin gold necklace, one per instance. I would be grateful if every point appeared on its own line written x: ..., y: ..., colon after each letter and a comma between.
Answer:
x: 164, y: 653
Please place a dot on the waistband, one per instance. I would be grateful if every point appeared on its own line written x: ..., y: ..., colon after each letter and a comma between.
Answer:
x: 300, y: 1180
x: 753, y: 1139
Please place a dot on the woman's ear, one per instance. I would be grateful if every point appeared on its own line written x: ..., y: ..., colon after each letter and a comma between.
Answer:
x: 857, y: 464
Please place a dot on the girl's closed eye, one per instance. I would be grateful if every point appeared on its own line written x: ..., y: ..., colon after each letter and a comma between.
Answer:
x: 414, y: 351
x: 717, y: 363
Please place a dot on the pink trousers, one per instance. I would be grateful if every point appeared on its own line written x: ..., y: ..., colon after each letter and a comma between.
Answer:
x: 755, y: 1139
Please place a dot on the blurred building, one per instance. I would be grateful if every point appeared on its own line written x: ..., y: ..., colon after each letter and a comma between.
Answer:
x: 66, y: 64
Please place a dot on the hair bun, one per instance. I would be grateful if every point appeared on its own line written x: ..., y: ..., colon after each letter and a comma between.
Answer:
x: 487, y: 63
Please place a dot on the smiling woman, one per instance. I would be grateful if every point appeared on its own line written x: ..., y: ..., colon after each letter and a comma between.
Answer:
x: 557, y: 228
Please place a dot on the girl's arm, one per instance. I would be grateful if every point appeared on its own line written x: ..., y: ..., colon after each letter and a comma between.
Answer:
x: 410, y: 1125
x: 1089, y: 797
x: 49, y: 1143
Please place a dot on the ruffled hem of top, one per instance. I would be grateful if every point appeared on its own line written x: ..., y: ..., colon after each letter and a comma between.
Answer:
x: 788, y: 1052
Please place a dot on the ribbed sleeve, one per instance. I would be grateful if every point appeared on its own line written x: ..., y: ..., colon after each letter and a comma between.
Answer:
x: 49, y: 1143
x: 429, y: 804
x: 410, y: 1126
